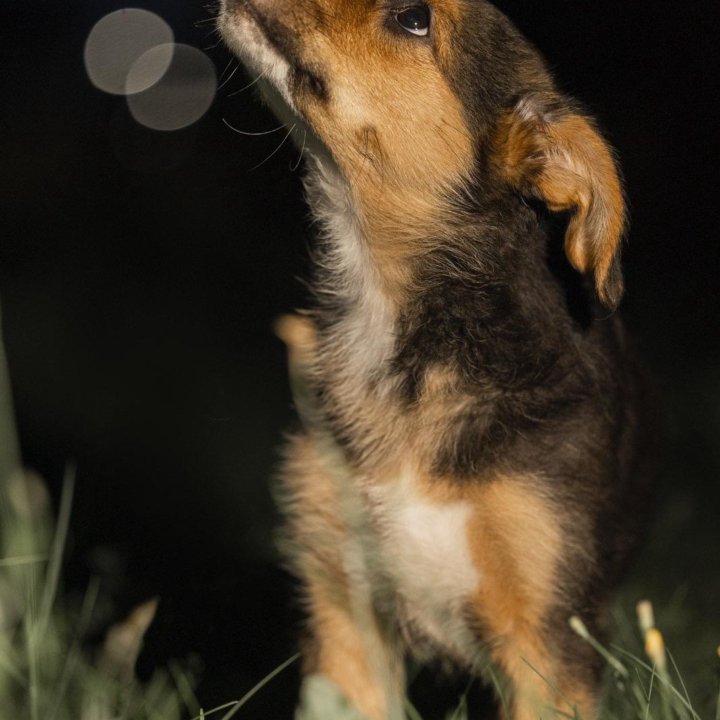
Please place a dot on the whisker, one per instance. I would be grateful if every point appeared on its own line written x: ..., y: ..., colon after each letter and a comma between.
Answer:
x: 229, y: 77
x: 255, y: 134
x: 302, y: 150
x: 218, y: 43
x: 249, y: 85
x: 276, y: 150
x: 227, y: 67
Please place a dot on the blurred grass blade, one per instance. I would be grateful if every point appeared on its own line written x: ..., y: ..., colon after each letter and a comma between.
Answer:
x: 649, y: 696
x: 9, y: 447
x: 680, y: 679
x: 57, y: 549
x: 22, y: 560
x: 411, y: 711
x: 578, y: 626
x: 74, y: 655
x: 236, y: 705
x: 664, y: 682
x: 499, y: 690
x: 184, y: 688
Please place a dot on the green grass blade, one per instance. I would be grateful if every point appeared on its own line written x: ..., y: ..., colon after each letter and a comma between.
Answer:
x: 649, y: 695
x: 21, y: 560
x: 253, y: 691
x: 237, y: 704
x: 579, y: 628
x: 680, y: 678
x: 9, y: 446
x: 52, y: 574
x: 553, y: 687
x: 411, y: 711
x: 461, y: 710
x: 498, y: 688
x: 184, y: 688
x: 74, y: 656
x: 665, y: 682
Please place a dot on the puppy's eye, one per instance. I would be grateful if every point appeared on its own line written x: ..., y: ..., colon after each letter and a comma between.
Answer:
x: 415, y: 20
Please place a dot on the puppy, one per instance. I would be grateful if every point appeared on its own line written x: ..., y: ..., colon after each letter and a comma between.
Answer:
x: 474, y: 453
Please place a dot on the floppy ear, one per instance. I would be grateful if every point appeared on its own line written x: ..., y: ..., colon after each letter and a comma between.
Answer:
x: 559, y: 157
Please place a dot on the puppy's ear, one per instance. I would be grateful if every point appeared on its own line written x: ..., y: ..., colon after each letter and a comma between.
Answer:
x: 558, y: 156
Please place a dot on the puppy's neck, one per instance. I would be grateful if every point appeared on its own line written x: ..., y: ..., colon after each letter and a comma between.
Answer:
x: 481, y: 259
x: 359, y: 258
x: 374, y: 230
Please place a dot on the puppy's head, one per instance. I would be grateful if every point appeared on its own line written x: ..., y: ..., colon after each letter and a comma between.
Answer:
x: 415, y: 99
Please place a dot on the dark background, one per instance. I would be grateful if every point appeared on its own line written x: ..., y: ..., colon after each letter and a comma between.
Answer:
x: 140, y: 272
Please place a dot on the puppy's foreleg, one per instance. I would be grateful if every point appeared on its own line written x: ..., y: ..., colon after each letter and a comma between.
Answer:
x: 523, y: 605
x: 350, y: 642
x: 543, y: 687
x: 359, y: 660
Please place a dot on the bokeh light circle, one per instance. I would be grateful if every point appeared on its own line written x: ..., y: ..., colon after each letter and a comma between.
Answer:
x: 149, y: 68
x: 181, y: 96
x: 118, y: 41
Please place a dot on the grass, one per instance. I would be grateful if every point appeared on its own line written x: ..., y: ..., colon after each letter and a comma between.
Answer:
x: 48, y: 673
x: 640, y: 688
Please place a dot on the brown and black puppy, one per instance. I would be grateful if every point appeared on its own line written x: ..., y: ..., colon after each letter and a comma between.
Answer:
x: 469, y: 478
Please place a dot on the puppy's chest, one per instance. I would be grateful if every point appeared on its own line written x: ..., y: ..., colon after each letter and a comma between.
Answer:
x: 426, y: 554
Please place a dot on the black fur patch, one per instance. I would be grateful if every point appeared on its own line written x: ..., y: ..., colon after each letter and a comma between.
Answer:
x: 487, y: 307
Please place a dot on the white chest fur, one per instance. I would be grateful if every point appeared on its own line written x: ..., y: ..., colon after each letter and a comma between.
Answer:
x: 424, y: 546
x: 367, y: 330
x: 427, y: 554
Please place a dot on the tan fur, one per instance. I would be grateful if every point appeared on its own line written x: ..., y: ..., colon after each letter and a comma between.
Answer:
x: 397, y: 158
x: 517, y: 543
x: 342, y: 656
x: 348, y: 645
x: 566, y: 163
x: 299, y: 336
x: 516, y: 540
